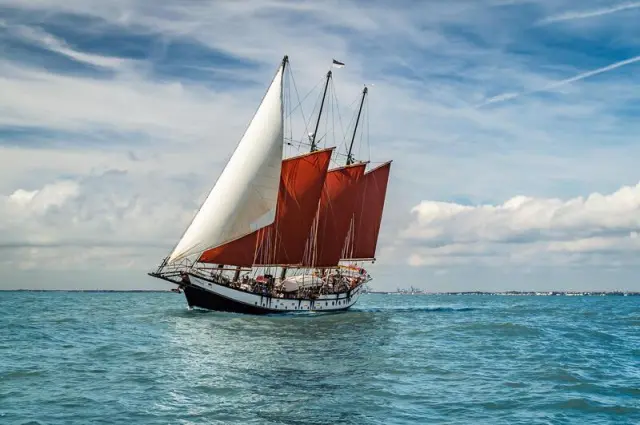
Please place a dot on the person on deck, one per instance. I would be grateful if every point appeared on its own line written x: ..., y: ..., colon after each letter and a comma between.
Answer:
x: 184, y: 280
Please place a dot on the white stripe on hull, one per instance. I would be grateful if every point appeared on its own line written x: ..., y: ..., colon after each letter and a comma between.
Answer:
x: 328, y: 302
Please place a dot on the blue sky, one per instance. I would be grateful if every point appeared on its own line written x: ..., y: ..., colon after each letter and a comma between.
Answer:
x: 512, y: 126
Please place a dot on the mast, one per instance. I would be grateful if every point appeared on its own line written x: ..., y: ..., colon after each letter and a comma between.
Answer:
x: 349, y: 156
x: 350, y: 161
x: 324, y: 95
x: 314, y: 147
x: 248, y: 182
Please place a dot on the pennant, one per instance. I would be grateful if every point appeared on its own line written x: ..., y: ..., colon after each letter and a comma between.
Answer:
x: 338, y: 64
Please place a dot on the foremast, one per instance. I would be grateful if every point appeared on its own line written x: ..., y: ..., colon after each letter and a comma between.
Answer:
x: 246, y: 190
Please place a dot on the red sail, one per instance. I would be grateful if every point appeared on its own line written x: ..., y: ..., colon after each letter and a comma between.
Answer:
x: 283, y: 241
x: 300, y: 190
x: 239, y: 252
x: 368, y: 215
x: 335, y: 212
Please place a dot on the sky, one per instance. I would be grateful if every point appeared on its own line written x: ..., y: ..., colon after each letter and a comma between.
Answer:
x: 512, y: 126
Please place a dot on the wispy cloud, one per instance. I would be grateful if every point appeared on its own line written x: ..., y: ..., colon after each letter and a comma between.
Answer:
x: 37, y: 36
x: 573, y: 15
x: 510, y: 96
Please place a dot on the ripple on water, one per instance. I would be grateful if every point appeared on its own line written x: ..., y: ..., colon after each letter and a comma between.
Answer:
x: 75, y: 358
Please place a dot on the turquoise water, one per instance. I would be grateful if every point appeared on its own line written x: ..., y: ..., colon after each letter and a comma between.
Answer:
x: 136, y: 358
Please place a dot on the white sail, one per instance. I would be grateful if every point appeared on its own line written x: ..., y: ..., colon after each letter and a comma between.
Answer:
x: 247, y: 189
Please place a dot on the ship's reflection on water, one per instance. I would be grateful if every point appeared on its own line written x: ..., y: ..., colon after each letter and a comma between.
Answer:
x: 299, y: 357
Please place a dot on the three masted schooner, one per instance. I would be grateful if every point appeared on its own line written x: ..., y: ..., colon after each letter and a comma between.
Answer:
x: 279, y: 235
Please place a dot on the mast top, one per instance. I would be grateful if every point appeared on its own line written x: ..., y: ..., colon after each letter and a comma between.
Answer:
x: 324, y: 95
x: 350, y: 158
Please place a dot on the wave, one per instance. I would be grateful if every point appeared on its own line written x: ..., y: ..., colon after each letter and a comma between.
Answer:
x: 414, y: 309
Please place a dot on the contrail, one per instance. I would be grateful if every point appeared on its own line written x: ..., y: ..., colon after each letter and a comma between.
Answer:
x: 569, y: 16
x: 509, y: 96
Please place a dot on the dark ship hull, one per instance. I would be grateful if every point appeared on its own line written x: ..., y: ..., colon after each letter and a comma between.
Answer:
x: 207, y: 294
x: 197, y: 297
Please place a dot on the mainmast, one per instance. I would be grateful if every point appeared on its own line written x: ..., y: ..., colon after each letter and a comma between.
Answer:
x: 314, y: 147
x: 324, y: 95
x: 349, y: 156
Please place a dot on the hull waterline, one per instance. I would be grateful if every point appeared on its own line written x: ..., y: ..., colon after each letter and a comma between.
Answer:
x: 209, y: 295
x: 201, y: 298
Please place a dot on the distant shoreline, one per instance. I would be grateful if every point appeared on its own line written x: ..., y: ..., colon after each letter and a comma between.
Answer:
x: 85, y: 290
x: 504, y: 293
x: 516, y: 293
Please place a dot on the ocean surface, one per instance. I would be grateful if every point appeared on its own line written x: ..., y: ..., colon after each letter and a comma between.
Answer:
x: 144, y: 358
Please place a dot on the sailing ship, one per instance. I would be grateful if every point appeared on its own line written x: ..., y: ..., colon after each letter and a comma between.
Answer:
x: 281, y: 235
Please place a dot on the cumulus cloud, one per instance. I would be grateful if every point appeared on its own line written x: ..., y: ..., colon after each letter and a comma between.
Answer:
x: 94, y: 217
x: 524, y: 226
x: 41, y: 200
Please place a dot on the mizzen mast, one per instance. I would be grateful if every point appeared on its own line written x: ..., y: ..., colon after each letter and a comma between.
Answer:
x: 355, y: 129
x: 361, y: 242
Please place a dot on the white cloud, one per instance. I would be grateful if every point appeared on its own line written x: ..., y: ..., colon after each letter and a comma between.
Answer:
x: 594, y: 13
x: 94, y: 217
x: 524, y: 227
x: 557, y: 84
x: 166, y: 112
x: 41, y: 200
x: 39, y: 37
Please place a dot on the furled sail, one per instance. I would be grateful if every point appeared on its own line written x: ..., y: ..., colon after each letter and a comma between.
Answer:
x: 335, y: 212
x: 372, y: 189
x: 247, y: 190
x: 283, y: 241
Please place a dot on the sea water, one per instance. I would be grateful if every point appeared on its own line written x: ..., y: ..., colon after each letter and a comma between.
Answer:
x: 144, y: 358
